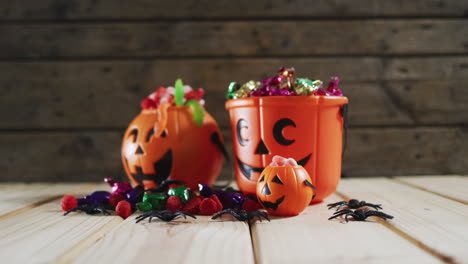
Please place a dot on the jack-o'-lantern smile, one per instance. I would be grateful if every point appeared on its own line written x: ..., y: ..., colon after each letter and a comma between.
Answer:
x: 247, y: 169
x: 162, y: 169
x: 270, y: 205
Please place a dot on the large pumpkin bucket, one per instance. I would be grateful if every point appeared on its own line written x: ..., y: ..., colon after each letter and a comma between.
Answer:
x: 306, y: 128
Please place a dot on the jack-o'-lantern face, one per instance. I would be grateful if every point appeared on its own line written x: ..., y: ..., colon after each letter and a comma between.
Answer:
x: 162, y: 143
x: 279, y: 135
x: 148, y: 155
x: 285, y: 190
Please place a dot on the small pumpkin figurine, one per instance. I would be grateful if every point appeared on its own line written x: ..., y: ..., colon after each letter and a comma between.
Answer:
x: 284, y: 188
x: 173, y: 138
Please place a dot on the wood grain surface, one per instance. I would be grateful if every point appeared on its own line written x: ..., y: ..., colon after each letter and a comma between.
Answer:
x: 311, y: 237
x: 452, y: 187
x: 441, y: 224
x: 264, y: 38
x: 242, y: 9
x: 181, y: 241
x: 427, y: 228
x: 382, y: 92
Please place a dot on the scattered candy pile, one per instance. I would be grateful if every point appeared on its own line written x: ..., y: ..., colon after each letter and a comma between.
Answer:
x: 283, y: 83
x: 168, y: 94
x: 170, y: 196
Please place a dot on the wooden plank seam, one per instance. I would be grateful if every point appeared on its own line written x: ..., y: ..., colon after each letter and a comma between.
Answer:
x: 429, y: 191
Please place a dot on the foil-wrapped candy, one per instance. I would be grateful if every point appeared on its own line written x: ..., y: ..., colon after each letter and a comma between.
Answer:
x: 305, y: 86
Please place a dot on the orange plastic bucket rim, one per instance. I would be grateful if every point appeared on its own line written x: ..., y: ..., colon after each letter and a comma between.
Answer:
x: 285, y: 101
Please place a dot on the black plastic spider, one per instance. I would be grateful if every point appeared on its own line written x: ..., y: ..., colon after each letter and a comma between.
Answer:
x: 360, y: 214
x: 164, y: 185
x: 243, y: 215
x: 165, y: 215
x: 90, y: 209
x: 353, y: 204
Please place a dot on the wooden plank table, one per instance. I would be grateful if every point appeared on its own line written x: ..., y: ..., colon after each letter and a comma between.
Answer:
x: 430, y: 226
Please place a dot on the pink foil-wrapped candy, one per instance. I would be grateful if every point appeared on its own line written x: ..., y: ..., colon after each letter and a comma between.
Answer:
x: 122, y: 187
x: 333, y: 87
x: 281, y: 161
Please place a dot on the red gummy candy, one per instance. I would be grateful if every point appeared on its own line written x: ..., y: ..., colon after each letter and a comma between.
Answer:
x: 115, y: 198
x: 124, y: 209
x: 250, y: 206
x: 147, y: 103
x: 190, y: 95
x: 193, y: 205
x: 68, y: 202
x: 174, y: 203
x: 199, y: 94
x: 219, y: 205
x: 208, y: 207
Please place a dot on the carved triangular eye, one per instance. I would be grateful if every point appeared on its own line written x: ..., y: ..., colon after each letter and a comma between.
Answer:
x: 134, y: 133
x: 150, y: 134
x: 164, y: 133
x: 277, y: 180
x: 262, y: 178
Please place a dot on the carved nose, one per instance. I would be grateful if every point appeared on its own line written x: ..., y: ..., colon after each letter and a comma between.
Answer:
x: 266, y: 190
x: 261, y: 148
x: 139, y: 150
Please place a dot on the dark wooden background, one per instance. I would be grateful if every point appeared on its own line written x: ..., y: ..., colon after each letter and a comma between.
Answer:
x: 73, y: 72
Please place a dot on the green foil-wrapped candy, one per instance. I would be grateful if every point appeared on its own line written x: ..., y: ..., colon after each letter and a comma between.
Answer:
x: 153, y: 201
x: 183, y: 192
x: 145, y: 206
x: 232, y: 88
x: 305, y: 86
x: 245, y: 89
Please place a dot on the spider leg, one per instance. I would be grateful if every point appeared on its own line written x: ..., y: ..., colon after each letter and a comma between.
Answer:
x: 103, y: 211
x: 341, y: 206
x: 185, y: 214
x: 375, y: 206
x: 142, y: 216
x: 338, y: 214
x: 223, y: 212
x: 332, y: 205
x: 72, y: 210
x: 259, y: 215
x: 344, y: 210
x: 238, y: 216
x: 379, y: 214
x: 346, y: 218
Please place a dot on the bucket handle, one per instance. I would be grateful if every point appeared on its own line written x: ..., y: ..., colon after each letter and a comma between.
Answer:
x: 344, y: 114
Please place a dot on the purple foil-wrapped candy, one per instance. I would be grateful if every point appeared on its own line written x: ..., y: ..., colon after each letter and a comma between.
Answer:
x: 227, y: 199
x: 122, y: 187
x: 336, y: 92
x: 262, y: 92
x: 135, y: 195
x: 333, y: 83
x: 321, y: 91
x: 97, y: 197
x: 333, y: 87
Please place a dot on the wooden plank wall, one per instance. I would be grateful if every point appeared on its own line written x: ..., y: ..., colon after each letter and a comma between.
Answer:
x: 72, y: 74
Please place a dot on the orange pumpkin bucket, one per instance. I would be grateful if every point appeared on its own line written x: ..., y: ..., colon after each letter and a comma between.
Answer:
x: 177, y: 141
x: 306, y: 128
